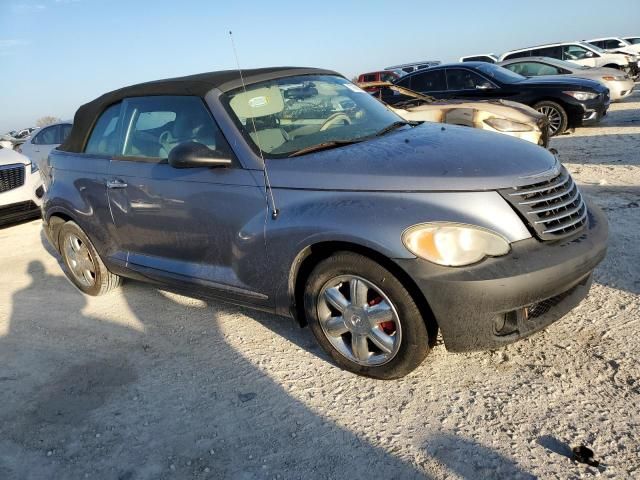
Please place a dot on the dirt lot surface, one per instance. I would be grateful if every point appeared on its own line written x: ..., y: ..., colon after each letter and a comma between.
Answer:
x: 144, y: 384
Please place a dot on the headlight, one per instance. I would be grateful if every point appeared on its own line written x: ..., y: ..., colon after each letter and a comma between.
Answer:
x: 452, y: 244
x: 615, y: 77
x: 582, y: 95
x: 504, y: 125
x: 34, y: 167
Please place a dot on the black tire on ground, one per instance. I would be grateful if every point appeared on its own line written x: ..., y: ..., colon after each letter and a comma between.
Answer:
x: 414, y: 339
x: 558, y: 119
x: 103, y: 279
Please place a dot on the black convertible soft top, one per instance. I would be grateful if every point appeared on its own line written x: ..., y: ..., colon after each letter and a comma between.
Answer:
x: 197, y: 85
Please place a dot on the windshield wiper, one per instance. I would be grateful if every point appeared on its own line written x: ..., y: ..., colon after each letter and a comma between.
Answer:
x: 323, y: 146
x: 394, y: 126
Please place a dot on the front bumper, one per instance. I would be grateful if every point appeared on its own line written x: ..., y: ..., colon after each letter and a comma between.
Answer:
x: 501, y: 300
x: 588, y: 111
x: 621, y: 89
x: 22, y: 202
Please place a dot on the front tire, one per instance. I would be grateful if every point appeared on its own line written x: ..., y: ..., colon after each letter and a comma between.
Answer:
x: 83, y: 265
x: 364, y: 318
x: 557, y: 115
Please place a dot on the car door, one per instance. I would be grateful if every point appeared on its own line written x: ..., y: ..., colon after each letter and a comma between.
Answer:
x: 430, y: 82
x: 201, y: 228
x: 465, y: 83
x: 579, y: 55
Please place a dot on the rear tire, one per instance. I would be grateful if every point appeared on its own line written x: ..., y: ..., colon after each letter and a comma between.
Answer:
x: 557, y: 115
x: 83, y: 265
x: 364, y: 318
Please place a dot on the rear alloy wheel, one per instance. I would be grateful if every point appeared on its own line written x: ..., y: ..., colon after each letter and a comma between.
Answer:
x: 84, y: 267
x: 558, y: 120
x: 364, y: 317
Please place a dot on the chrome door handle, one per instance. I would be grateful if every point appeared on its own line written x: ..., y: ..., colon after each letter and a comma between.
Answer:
x: 116, y: 184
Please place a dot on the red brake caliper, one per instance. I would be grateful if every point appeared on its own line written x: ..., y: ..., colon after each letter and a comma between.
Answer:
x: 387, y: 327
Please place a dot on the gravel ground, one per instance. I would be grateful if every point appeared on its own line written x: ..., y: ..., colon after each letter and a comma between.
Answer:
x: 145, y: 384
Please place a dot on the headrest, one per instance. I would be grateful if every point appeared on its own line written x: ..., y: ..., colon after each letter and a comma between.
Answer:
x: 258, y: 102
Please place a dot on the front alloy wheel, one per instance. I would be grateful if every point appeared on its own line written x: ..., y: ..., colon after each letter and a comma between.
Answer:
x: 359, y: 320
x: 558, y: 120
x: 364, y: 317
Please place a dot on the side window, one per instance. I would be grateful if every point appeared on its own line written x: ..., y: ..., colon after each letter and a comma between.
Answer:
x: 613, y: 44
x: 47, y: 136
x: 371, y: 77
x: 64, y: 132
x: 533, y: 69
x: 551, y: 52
x: 526, y: 53
x: 157, y: 124
x: 428, y: 81
x: 460, y: 79
x: 104, y: 139
x: 575, y: 52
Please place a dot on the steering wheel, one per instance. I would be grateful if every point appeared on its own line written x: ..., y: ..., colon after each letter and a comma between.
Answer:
x: 335, y: 118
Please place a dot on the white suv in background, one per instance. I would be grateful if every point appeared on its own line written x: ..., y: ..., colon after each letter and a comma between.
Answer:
x: 617, y: 44
x: 580, y: 53
x: 21, y: 187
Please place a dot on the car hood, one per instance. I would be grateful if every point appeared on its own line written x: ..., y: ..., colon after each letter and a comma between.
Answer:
x: 561, y: 81
x: 427, y: 157
x: 10, y: 157
x: 505, y: 108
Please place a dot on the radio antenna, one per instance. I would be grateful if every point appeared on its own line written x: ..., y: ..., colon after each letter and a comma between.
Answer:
x: 274, y: 211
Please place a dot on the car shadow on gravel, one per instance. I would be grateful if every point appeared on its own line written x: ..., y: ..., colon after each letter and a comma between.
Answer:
x: 163, y: 393
x: 86, y: 396
x: 622, y: 207
x: 469, y: 460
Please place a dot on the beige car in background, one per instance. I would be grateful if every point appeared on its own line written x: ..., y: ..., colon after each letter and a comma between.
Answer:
x: 500, y: 116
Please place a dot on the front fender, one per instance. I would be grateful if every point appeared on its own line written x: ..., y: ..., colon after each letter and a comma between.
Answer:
x: 374, y: 220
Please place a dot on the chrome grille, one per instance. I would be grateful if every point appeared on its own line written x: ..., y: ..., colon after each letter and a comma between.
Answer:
x: 553, y: 209
x: 11, y: 176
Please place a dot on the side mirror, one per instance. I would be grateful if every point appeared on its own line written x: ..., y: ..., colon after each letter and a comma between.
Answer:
x: 194, y: 154
x: 483, y: 86
x: 589, y: 54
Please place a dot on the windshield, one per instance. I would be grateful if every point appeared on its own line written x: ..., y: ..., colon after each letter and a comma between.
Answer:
x: 633, y: 40
x: 501, y: 74
x: 286, y: 115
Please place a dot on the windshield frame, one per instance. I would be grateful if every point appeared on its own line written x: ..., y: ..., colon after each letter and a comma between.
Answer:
x: 244, y: 131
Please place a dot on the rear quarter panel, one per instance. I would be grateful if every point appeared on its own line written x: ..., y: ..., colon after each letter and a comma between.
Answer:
x: 75, y: 188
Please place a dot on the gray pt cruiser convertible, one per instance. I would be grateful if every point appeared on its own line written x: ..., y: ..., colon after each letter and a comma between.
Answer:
x: 374, y: 231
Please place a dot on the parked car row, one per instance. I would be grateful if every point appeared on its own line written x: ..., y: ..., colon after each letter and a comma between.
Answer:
x: 593, y: 53
x: 567, y: 101
x: 15, y: 138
